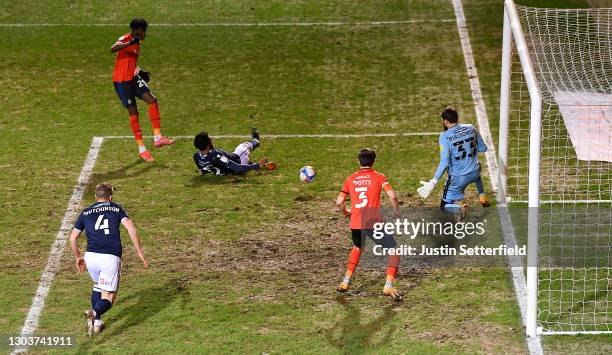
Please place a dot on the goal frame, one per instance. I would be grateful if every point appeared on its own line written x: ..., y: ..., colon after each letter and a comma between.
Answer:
x: 513, y: 35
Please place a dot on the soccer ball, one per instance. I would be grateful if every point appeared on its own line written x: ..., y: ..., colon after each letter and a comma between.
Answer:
x: 307, y: 174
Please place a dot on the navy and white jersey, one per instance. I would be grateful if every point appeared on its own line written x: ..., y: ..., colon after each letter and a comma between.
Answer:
x: 101, y: 222
x: 459, y: 147
x: 219, y: 162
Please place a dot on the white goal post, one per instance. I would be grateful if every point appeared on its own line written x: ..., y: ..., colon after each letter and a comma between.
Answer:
x: 555, y: 159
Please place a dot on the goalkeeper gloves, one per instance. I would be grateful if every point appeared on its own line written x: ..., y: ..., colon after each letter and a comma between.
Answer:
x: 427, y: 188
x: 135, y: 40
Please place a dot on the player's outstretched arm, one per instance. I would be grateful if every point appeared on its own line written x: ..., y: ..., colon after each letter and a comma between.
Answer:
x: 80, y: 262
x: 131, y: 228
x: 428, y: 186
x: 341, y: 205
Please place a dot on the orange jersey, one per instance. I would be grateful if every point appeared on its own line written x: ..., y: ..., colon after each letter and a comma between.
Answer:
x: 125, y: 65
x: 364, y: 188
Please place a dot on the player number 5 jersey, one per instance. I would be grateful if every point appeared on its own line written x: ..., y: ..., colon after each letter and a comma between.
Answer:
x: 364, y: 188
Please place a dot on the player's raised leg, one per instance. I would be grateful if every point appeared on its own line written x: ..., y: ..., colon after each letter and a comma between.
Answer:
x: 158, y: 140
x: 135, y: 125
x: 128, y: 100
x: 243, y: 150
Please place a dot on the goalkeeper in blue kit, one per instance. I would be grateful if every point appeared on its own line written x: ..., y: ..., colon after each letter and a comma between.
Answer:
x: 459, y: 147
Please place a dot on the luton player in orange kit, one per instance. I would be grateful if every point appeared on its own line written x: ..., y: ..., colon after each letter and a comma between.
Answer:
x: 364, y: 188
x: 131, y: 82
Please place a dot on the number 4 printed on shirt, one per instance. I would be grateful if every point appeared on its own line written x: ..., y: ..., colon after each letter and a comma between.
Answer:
x: 102, y: 223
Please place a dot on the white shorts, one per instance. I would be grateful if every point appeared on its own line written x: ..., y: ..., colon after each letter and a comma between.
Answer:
x: 104, y: 269
x: 243, y: 150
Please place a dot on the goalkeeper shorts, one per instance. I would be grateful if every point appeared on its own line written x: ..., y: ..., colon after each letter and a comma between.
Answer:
x: 455, y: 186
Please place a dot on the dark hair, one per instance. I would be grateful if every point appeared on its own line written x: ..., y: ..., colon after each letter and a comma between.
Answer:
x: 367, y: 157
x: 202, y: 141
x: 139, y: 23
x: 104, y: 191
x: 450, y: 115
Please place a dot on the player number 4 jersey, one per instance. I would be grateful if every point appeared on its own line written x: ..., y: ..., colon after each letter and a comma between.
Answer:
x: 364, y: 188
x: 101, y: 222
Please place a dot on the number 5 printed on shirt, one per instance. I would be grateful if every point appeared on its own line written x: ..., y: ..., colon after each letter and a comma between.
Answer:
x: 362, y: 197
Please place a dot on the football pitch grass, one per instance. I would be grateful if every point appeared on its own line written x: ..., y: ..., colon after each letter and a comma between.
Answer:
x: 246, y: 264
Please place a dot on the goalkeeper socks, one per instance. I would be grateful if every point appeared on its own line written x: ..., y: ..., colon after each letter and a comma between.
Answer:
x: 101, y: 307
x: 95, y: 298
x: 479, y: 186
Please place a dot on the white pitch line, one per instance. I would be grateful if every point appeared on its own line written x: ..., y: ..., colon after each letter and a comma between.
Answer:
x: 518, y: 277
x: 282, y: 136
x: 53, y: 262
x: 231, y: 24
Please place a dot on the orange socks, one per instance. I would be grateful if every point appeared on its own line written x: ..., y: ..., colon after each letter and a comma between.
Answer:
x: 392, y: 265
x: 135, y: 125
x: 351, y: 265
x: 154, y: 116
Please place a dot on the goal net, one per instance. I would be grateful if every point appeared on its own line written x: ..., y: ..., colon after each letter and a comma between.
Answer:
x: 556, y: 151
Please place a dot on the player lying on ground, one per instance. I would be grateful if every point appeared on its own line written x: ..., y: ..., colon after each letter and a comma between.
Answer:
x: 459, y: 147
x: 131, y: 82
x: 364, y: 188
x: 216, y: 161
x: 100, y: 222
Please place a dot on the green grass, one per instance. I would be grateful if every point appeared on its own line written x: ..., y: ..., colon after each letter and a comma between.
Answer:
x: 243, y: 264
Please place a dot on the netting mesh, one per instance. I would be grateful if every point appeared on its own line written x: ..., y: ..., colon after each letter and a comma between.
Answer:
x: 571, y: 51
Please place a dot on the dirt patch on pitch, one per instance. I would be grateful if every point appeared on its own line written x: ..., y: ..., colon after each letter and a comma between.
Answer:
x: 303, y: 250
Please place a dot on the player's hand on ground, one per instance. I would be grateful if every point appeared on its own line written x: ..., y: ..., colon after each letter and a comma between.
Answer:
x: 427, y: 188
x: 145, y: 263
x: 80, y: 264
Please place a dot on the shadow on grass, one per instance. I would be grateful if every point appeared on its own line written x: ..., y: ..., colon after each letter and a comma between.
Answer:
x: 139, y: 307
x: 123, y: 173
x: 201, y: 180
x: 353, y: 336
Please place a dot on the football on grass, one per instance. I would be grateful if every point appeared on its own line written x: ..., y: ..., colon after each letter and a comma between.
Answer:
x: 307, y: 174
